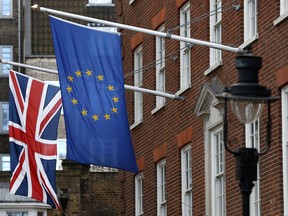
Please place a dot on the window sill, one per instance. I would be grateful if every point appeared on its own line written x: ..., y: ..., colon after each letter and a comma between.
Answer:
x: 135, y: 124
x: 213, y: 67
x: 131, y: 1
x: 281, y: 18
x: 249, y: 41
x: 156, y: 109
x: 182, y: 90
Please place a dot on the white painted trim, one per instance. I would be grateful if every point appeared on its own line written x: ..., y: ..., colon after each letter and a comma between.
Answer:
x: 284, y: 99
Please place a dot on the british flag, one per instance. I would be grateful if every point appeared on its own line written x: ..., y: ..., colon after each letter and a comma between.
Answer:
x: 34, y: 111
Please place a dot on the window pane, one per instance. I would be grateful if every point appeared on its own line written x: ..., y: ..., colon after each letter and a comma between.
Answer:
x: 6, y: 8
x: 6, y: 54
x: 5, y: 117
x: 17, y: 213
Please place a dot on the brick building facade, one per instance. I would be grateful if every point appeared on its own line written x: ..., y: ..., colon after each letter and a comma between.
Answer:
x: 184, y: 167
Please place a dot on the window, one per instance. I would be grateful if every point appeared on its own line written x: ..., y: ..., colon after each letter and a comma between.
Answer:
x: 100, y: 2
x: 138, y: 79
x: 218, y: 183
x: 283, y: 6
x: 17, y: 213
x: 250, y: 20
x: 252, y: 141
x: 4, y: 117
x: 160, y: 69
x: 215, y: 30
x: 6, y: 9
x: 5, y: 162
x: 186, y: 177
x: 61, y: 153
x: 185, y: 69
x: 139, y: 195
x: 6, y: 54
x: 284, y: 97
x: 161, y: 189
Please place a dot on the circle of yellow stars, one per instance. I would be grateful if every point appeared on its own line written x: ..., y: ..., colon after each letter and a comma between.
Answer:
x: 84, y: 112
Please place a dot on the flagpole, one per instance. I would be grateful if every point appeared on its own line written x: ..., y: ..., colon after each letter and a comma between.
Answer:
x: 128, y: 87
x: 168, y: 35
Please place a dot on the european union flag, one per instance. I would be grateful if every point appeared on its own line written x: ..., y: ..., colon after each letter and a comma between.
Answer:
x: 90, y: 71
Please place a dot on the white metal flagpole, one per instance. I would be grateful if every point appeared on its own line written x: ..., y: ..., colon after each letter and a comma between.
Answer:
x: 239, y: 50
x: 128, y: 87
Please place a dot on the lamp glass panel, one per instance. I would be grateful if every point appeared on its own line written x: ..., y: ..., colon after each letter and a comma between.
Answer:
x: 246, y: 111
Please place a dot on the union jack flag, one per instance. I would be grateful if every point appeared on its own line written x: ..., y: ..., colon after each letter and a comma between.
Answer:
x: 34, y: 111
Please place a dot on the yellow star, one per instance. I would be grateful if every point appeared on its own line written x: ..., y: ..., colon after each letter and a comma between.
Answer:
x: 89, y: 73
x: 69, y: 89
x: 114, y: 110
x: 78, y: 73
x: 74, y: 101
x: 110, y: 88
x: 95, y: 117
x: 107, y: 116
x: 84, y: 112
x: 100, y: 77
x: 115, y: 99
x: 70, y: 78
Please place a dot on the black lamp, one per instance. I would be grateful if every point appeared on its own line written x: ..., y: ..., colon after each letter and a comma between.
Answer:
x: 247, y: 99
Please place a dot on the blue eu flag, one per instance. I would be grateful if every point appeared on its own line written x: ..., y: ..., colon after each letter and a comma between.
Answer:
x: 90, y: 71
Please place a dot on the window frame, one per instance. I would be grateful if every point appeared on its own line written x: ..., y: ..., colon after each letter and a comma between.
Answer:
x: 11, y: 10
x: 217, y: 148
x: 160, y: 69
x: 161, y: 188
x: 138, y: 80
x: 284, y: 101
x: 250, y: 31
x: 139, y: 195
x: 185, y: 49
x: 283, y: 7
x: 2, y: 131
x: 252, y: 135
x: 186, y: 185
x: 4, y: 66
x: 2, y: 162
x: 215, y: 31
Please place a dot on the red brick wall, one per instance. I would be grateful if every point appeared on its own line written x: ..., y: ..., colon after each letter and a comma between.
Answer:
x: 168, y: 125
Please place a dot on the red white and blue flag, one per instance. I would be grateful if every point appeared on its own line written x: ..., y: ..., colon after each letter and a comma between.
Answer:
x: 34, y: 111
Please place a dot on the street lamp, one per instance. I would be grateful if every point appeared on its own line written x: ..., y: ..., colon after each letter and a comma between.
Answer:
x: 247, y: 99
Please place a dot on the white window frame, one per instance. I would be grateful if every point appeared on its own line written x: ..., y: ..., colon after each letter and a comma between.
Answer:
x: 250, y: 21
x: 218, y: 173
x: 186, y: 180
x: 2, y: 131
x: 10, y: 15
x: 5, y: 67
x: 185, y: 49
x: 29, y: 211
x: 4, y: 159
x: 61, y: 153
x: 252, y: 132
x: 138, y: 80
x: 284, y: 101
x: 161, y: 188
x: 283, y: 12
x: 283, y: 6
x: 160, y: 69
x: 139, y: 195
x: 215, y: 31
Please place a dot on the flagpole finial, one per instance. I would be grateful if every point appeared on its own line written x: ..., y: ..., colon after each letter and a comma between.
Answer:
x: 35, y: 7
